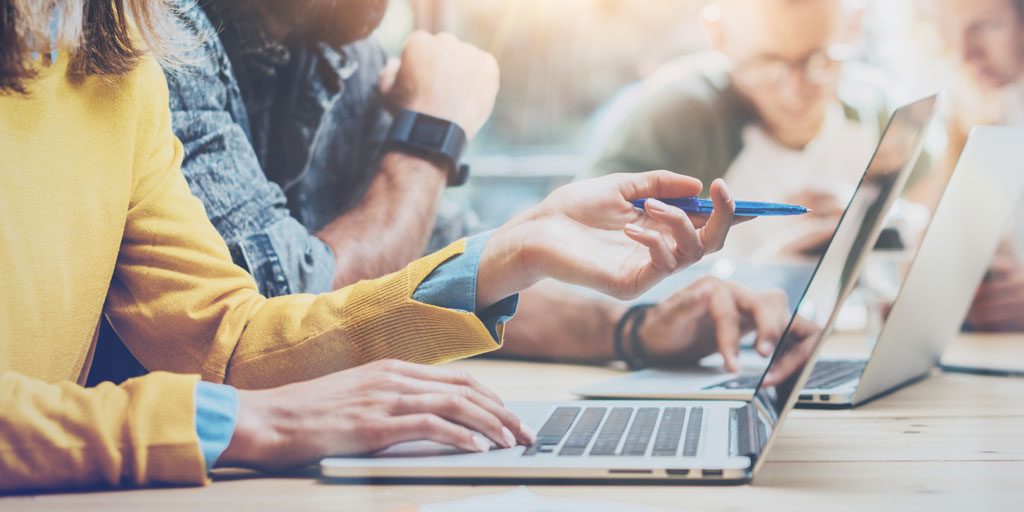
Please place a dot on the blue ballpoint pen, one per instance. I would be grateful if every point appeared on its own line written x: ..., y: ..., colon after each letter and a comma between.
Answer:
x: 700, y: 206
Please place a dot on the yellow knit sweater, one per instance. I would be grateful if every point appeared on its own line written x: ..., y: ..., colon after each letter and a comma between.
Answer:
x: 96, y: 218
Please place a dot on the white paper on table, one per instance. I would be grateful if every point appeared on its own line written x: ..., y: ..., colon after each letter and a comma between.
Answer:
x: 524, y: 500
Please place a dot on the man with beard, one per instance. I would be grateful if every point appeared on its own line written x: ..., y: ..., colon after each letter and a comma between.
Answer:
x: 284, y: 124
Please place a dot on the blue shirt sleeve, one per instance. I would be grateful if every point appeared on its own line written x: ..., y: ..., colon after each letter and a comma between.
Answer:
x: 216, y: 412
x: 452, y: 285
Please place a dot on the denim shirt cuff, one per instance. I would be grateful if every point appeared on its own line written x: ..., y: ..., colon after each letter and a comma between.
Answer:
x: 216, y: 414
x: 286, y: 259
x: 452, y: 285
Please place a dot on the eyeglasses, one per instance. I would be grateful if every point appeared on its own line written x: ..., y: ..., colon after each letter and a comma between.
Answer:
x: 820, y: 68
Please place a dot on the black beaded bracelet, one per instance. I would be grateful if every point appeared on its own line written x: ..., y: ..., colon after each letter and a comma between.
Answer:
x: 635, y: 342
x: 620, y: 326
x: 636, y: 314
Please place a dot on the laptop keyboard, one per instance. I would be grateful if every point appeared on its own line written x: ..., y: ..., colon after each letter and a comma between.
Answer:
x: 826, y: 374
x: 625, y: 431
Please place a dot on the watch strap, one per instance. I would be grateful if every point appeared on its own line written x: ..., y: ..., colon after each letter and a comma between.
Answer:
x: 437, y: 140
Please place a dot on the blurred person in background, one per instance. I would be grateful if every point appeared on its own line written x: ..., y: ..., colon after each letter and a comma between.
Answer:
x: 984, y: 42
x: 772, y: 107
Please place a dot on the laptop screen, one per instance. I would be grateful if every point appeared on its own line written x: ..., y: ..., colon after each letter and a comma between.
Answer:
x: 833, y: 278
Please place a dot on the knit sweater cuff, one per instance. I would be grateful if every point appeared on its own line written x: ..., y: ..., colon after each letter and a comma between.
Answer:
x: 391, y: 324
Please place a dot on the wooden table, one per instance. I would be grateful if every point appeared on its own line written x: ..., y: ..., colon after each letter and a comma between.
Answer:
x: 951, y: 441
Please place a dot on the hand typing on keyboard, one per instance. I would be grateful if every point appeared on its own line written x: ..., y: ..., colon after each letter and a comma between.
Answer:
x: 713, y: 315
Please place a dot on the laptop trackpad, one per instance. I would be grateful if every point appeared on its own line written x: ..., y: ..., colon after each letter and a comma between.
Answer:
x: 750, y: 361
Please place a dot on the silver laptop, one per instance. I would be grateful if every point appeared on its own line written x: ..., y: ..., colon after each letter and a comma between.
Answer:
x: 715, y: 441
x: 939, y: 286
x: 887, y: 172
x: 981, y: 198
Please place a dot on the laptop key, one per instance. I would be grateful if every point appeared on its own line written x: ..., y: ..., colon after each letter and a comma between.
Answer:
x: 640, y: 432
x: 670, y: 431
x: 554, y: 429
x: 608, y: 438
x: 693, y: 430
x: 583, y: 432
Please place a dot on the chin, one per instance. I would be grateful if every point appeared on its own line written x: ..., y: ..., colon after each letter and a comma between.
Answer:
x: 988, y: 79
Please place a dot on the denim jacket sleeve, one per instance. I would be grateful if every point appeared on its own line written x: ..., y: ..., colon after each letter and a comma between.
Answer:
x: 223, y: 171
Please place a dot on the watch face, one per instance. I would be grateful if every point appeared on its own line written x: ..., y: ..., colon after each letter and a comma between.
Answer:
x: 429, y: 131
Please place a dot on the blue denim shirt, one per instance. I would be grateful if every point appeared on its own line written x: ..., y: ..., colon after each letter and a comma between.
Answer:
x: 280, y: 138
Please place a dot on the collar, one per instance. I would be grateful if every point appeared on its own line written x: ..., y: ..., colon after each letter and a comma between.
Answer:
x: 242, y: 28
x: 240, y: 23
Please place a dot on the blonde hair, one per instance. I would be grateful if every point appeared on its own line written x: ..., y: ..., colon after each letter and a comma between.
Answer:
x: 101, y: 37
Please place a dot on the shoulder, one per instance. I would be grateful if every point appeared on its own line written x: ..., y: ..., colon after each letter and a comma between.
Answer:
x: 148, y: 83
x: 696, y: 84
x: 676, y: 118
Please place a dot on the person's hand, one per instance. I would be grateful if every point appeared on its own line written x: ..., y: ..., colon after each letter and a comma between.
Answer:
x: 366, y: 409
x: 816, y: 228
x: 712, y: 315
x: 795, y: 351
x: 822, y: 203
x: 999, y: 302
x: 589, y: 234
x: 439, y: 75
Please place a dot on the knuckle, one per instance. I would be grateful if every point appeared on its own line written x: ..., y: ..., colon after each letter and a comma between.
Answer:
x: 462, y: 377
x: 508, y: 418
x: 453, y: 403
x: 729, y: 315
x: 371, y: 434
x: 418, y: 37
x: 388, y: 364
x: 393, y: 402
x: 383, y: 380
x: 429, y: 423
x: 493, y: 424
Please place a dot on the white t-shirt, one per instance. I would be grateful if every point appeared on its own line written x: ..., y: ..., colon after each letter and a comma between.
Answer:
x: 768, y: 171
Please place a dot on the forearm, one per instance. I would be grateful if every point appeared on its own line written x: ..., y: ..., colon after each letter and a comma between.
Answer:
x: 555, y: 324
x: 64, y: 436
x: 391, y: 225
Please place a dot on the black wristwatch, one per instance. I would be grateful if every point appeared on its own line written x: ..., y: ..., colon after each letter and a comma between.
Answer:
x: 436, y: 140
